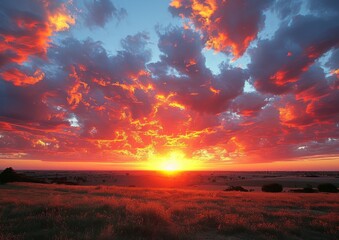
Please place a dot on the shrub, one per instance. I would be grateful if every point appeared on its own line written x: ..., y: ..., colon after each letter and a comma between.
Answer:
x: 8, y: 175
x: 304, y: 190
x: 236, y: 188
x: 327, y: 187
x: 273, y: 187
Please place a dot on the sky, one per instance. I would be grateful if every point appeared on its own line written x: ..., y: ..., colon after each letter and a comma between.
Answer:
x: 207, y: 84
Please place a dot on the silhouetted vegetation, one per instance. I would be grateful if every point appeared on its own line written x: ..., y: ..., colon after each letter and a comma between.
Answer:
x: 62, y: 180
x: 272, y: 187
x: 79, y: 179
x: 236, y: 188
x: 9, y: 175
x: 327, y: 187
x: 312, y: 175
x: 304, y: 190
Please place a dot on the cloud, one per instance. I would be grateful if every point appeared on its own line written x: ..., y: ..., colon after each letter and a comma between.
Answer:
x: 287, y: 9
x: 100, y: 12
x: 325, y: 108
x: 249, y: 104
x: 312, y: 84
x: 293, y: 49
x: 25, y: 34
x: 20, y: 78
x: 327, y: 7
x: 333, y: 65
x: 98, y: 84
x: 182, y: 74
x: 228, y: 26
x: 102, y: 93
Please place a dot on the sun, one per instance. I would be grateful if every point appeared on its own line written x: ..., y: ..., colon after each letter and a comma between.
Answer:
x: 171, y: 165
x: 172, y: 162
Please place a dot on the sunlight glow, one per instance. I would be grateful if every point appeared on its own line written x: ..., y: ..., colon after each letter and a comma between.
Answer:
x: 171, y: 165
x: 172, y: 162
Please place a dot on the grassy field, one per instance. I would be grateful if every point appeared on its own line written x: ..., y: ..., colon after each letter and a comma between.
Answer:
x: 37, y: 211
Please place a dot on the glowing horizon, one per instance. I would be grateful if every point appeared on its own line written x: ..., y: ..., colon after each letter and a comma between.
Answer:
x: 318, y: 163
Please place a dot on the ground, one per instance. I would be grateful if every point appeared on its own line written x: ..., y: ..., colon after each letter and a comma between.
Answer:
x: 51, y: 211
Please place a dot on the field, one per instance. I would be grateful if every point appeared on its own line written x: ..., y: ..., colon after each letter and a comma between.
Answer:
x: 50, y: 211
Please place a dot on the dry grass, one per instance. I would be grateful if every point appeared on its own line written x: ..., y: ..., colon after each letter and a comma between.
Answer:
x: 35, y: 211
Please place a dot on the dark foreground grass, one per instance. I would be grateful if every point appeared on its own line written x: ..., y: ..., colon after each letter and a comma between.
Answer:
x: 36, y: 211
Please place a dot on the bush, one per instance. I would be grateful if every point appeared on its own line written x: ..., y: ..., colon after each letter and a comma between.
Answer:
x: 327, y: 187
x: 304, y: 190
x: 273, y: 187
x: 8, y: 175
x: 236, y: 188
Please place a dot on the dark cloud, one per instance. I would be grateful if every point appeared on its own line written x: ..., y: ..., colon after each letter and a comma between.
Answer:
x: 99, y: 12
x: 249, y: 104
x: 191, y: 83
x: 325, y: 109
x: 312, y: 84
x: 293, y: 49
x: 325, y: 7
x: 228, y: 26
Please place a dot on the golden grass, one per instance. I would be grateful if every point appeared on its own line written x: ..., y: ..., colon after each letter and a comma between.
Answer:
x: 37, y: 211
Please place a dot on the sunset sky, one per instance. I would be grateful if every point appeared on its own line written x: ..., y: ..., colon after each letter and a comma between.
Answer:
x: 131, y: 84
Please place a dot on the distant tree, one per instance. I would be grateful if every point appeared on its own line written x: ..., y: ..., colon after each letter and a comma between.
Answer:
x: 8, y: 175
x: 327, y: 187
x: 273, y: 187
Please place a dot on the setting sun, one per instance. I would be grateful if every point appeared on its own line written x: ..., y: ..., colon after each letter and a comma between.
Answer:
x: 171, y: 165
x: 172, y: 162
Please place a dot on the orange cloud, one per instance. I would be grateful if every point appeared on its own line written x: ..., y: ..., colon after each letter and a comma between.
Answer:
x: 28, y: 36
x: 74, y: 93
x: 60, y: 20
x: 19, y: 78
x: 176, y: 3
x: 287, y: 113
